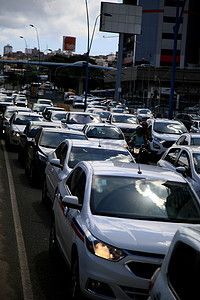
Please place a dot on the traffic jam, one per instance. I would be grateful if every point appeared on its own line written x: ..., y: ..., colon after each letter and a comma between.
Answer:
x: 117, y: 184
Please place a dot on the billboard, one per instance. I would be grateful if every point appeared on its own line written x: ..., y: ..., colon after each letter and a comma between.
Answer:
x: 69, y: 43
x: 120, y: 18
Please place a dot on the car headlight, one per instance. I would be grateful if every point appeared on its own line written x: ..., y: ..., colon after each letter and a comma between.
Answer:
x: 156, y: 139
x: 103, y: 250
x: 15, y: 133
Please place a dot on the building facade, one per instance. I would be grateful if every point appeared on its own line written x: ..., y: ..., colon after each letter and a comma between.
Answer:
x: 156, y: 43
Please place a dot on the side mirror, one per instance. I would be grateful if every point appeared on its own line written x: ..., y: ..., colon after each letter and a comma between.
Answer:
x: 71, y: 202
x: 181, y: 170
x: 56, y: 163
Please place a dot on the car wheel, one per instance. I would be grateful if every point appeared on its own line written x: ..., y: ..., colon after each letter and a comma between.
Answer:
x: 45, y: 198
x: 53, y: 248
x: 75, y: 285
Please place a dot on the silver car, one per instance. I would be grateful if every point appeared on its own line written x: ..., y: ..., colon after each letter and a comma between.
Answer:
x: 185, y: 160
x: 61, y: 161
x: 114, y: 224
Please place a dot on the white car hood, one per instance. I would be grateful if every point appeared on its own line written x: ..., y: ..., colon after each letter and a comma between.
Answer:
x: 145, y: 236
x: 168, y: 137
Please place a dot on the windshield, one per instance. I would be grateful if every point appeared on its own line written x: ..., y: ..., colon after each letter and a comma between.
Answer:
x: 78, y: 154
x: 23, y: 120
x: 124, y: 119
x: 144, y: 199
x: 58, y: 116
x: 169, y: 128
x: 53, y: 139
x: 103, y: 132
x: 144, y: 111
x: 83, y: 119
x: 103, y: 114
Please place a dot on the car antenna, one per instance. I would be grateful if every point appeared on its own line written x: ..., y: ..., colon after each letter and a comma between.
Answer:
x: 99, y: 143
x: 139, y: 169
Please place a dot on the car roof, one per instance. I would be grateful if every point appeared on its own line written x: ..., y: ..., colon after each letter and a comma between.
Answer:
x: 82, y: 113
x: 165, y: 120
x: 95, y: 144
x: 27, y: 113
x: 123, y: 114
x: 189, y: 148
x: 44, y: 123
x: 131, y: 169
x: 101, y: 125
x: 65, y: 130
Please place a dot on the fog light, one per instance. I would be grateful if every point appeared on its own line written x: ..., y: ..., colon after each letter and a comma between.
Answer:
x: 99, y: 287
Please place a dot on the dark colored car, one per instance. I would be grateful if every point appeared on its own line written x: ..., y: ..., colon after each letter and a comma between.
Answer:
x: 28, y: 135
x: 45, y: 141
x: 187, y: 119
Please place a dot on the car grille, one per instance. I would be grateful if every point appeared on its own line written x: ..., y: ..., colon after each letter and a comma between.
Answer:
x: 135, y: 293
x: 168, y: 144
x: 143, y: 270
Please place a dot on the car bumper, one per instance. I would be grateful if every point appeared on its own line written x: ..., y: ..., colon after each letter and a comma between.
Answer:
x: 102, y: 279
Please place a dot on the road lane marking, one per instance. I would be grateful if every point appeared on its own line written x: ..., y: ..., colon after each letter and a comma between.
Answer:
x: 25, y: 275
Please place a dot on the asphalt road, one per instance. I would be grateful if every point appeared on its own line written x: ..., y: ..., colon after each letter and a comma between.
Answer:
x: 26, y: 271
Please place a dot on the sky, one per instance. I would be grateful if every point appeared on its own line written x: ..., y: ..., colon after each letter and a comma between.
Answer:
x: 53, y: 19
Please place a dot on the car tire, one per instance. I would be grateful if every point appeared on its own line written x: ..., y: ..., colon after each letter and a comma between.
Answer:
x: 75, y: 290
x: 53, y: 247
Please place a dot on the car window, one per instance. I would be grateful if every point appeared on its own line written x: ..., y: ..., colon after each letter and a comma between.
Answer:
x: 184, y: 271
x: 172, y: 155
x: 63, y: 154
x: 186, y: 117
x: 196, y: 159
x: 184, y: 161
x: 59, y: 150
x: 76, y: 183
x: 195, y: 141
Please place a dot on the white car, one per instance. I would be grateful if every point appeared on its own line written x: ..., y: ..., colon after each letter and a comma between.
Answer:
x: 164, y: 133
x: 185, y: 160
x: 16, y: 126
x: 78, y: 103
x: 114, y: 224
x: 178, y: 277
x: 144, y: 114
x: 105, y: 133
x: 126, y: 122
x: 76, y: 119
x: 45, y: 101
x: 21, y: 100
x: 7, y: 114
x: 61, y: 161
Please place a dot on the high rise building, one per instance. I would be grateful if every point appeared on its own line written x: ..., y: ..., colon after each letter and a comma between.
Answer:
x: 156, y: 42
x: 7, y: 50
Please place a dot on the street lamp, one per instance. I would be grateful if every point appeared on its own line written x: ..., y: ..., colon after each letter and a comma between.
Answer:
x: 38, y: 86
x: 89, y: 45
x: 27, y: 66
